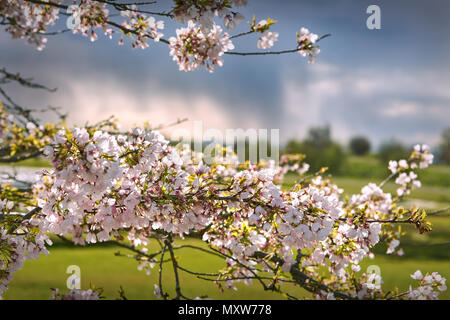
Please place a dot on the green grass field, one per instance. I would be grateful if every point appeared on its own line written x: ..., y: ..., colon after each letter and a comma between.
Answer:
x: 100, y: 267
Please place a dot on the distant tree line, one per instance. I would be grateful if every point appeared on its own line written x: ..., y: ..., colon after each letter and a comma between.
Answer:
x: 321, y: 150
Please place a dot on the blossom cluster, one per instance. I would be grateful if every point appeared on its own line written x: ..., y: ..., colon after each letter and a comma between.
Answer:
x: 75, y: 294
x: 430, y: 286
x: 192, y: 48
x: 203, y: 14
x: 420, y: 158
x: 24, y: 244
x: 20, y: 134
x: 134, y: 186
x: 142, y: 26
x: 201, y: 43
x: 5, y: 122
x: 106, y: 186
x: 306, y: 41
x: 97, y: 191
x: 267, y: 39
x: 289, y: 163
x: 29, y: 20
x: 87, y: 16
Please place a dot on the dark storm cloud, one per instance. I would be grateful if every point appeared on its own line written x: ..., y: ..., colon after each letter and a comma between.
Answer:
x: 413, y: 44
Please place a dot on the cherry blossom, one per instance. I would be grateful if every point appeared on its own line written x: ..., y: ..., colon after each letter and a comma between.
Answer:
x: 430, y: 286
x: 75, y: 294
x: 144, y: 27
x: 18, y: 247
x: 192, y: 48
x: 106, y: 186
x: 201, y: 43
x: 87, y: 16
x: 204, y: 14
x: 306, y: 41
x: 267, y: 40
x: 133, y: 187
x: 29, y: 20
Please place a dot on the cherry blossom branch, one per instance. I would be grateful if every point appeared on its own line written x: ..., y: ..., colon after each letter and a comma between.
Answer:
x: 390, y: 221
x: 263, y: 53
x: 426, y: 244
x: 165, y: 126
x: 437, y: 212
x: 305, y: 281
x: 388, y: 178
x: 168, y: 243
x: 305, y: 41
x: 258, y: 53
x: 27, y: 216
x: 313, y: 285
x: 134, y: 249
x: 121, y: 7
x: 200, y: 249
x: 252, y: 271
x: 199, y: 273
x: 164, y: 295
x: 7, y: 76
x: 49, y: 3
x: 22, y: 157
x: 242, y: 34
x: 126, y: 30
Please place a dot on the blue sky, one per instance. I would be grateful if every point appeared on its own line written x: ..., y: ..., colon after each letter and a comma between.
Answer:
x: 388, y: 83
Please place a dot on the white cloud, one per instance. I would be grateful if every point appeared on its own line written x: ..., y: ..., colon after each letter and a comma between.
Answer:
x: 378, y: 103
x: 400, y: 108
x: 94, y: 100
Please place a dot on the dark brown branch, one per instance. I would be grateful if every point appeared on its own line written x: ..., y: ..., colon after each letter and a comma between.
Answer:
x: 263, y: 53
x: 426, y: 244
x: 20, y: 157
x: 168, y: 243
x: 383, y: 183
x: 134, y: 249
x: 242, y: 34
x: 390, y: 221
x: 437, y: 212
x: 199, y: 273
x: 125, y: 6
x: 252, y: 271
x: 305, y: 281
x: 25, y: 82
x: 313, y: 285
x: 126, y: 30
x: 200, y: 249
x: 160, y: 273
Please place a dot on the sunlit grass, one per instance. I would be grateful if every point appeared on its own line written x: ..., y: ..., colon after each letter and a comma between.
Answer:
x: 100, y: 267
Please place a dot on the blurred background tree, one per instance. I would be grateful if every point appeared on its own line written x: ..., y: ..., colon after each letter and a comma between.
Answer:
x: 444, y: 147
x: 392, y: 150
x: 320, y: 149
x: 359, y: 145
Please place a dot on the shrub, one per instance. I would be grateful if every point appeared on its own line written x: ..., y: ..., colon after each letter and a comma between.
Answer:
x: 320, y: 150
x: 444, y: 147
x: 392, y: 150
x: 359, y: 145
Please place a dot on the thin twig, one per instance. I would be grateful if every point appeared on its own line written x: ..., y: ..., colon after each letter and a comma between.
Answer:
x: 262, y: 53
